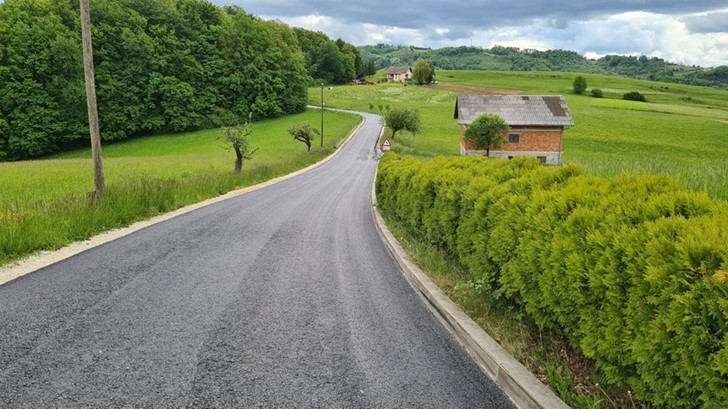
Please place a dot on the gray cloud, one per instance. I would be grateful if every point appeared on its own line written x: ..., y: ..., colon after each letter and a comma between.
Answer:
x: 710, y: 23
x: 693, y: 32
x: 448, y: 34
x: 459, y: 14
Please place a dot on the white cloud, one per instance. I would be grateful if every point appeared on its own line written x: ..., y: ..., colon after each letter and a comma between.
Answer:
x: 629, y: 33
x: 311, y: 22
x: 654, y: 35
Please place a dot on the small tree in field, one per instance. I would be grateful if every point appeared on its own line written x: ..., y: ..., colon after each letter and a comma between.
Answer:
x: 304, y: 133
x: 487, y: 132
x: 579, y: 85
x: 402, y: 119
x: 237, y: 138
x: 423, y: 72
x: 634, y: 96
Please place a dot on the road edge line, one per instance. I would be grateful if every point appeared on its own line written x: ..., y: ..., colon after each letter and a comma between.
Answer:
x: 521, y: 386
x: 42, y: 259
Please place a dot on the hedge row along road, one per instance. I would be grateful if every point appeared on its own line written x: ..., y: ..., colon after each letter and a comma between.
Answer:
x: 281, y: 297
x: 630, y: 270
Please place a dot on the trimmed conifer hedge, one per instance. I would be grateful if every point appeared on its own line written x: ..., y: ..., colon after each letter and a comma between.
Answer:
x: 632, y: 270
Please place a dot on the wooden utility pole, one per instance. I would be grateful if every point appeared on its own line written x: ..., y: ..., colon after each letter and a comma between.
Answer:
x: 93, y: 115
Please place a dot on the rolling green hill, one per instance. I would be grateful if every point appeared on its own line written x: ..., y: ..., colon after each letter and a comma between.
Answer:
x: 500, y: 58
x: 682, y: 130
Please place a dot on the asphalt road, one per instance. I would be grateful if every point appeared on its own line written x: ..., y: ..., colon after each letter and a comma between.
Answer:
x: 283, y: 297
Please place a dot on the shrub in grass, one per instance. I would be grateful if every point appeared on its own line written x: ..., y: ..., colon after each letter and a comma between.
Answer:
x: 597, y: 93
x: 632, y: 270
x: 579, y: 85
x: 634, y: 96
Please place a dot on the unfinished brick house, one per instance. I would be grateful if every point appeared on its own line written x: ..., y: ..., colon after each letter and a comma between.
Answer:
x: 537, y: 124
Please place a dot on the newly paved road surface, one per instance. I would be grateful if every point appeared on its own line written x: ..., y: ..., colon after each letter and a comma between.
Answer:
x: 284, y: 297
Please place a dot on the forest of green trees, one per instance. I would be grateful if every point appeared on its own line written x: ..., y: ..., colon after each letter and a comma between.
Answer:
x: 500, y: 58
x: 161, y: 66
x: 177, y: 65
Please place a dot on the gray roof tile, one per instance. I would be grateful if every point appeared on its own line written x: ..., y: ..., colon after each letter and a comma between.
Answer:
x: 516, y: 110
x: 398, y: 70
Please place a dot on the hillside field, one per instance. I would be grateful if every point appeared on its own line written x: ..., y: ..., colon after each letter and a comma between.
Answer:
x: 681, y: 131
x: 43, y: 202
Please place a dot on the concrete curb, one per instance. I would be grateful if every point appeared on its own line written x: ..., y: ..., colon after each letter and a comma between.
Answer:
x: 43, y: 259
x: 524, y: 389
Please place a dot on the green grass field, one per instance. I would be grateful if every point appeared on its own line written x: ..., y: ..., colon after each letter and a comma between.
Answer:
x: 43, y: 202
x: 681, y: 130
x: 161, y: 157
x: 620, y: 104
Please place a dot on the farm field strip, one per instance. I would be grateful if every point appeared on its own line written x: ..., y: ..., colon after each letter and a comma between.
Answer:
x: 681, y: 130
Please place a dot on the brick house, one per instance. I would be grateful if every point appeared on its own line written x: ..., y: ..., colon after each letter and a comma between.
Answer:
x: 399, y: 74
x: 537, y: 124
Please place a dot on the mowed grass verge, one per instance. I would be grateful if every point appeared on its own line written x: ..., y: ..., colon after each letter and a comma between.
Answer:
x: 681, y: 131
x: 44, y: 205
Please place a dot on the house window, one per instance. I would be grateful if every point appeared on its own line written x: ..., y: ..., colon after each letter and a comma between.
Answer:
x: 513, y: 137
x: 542, y: 159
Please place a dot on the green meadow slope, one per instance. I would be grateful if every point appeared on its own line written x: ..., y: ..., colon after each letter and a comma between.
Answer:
x: 681, y: 130
x: 499, y: 58
x: 588, y: 241
x: 43, y: 202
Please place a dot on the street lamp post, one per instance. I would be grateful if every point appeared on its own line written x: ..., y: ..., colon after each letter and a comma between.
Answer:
x: 322, y: 114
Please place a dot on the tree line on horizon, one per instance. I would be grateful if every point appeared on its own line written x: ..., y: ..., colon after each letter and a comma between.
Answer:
x: 499, y: 58
x: 161, y: 66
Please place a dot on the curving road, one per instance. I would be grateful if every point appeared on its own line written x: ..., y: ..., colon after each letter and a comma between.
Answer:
x: 283, y: 297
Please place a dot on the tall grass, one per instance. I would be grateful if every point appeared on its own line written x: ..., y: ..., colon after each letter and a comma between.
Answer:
x: 44, y: 205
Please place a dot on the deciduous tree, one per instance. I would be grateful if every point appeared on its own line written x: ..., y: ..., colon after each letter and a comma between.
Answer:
x: 423, y: 72
x: 304, y: 133
x: 487, y: 132
x: 402, y: 119
x: 370, y: 68
x: 324, y: 60
x: 579, y: 85
x: 237, y: 138
x: 634, y: 96
x: 160, y: 66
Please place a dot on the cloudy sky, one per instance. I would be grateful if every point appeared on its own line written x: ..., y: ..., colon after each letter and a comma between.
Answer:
x: 684, y: 31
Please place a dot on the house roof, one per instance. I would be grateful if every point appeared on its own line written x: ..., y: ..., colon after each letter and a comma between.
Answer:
x: 516, y: 110
x: 398, y: 70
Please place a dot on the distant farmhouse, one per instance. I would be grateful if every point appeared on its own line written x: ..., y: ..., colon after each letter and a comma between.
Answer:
x: 537, y: 124
x: 399, y: 74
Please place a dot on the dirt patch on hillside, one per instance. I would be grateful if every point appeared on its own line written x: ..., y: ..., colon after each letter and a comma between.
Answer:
x: 475, y: 90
